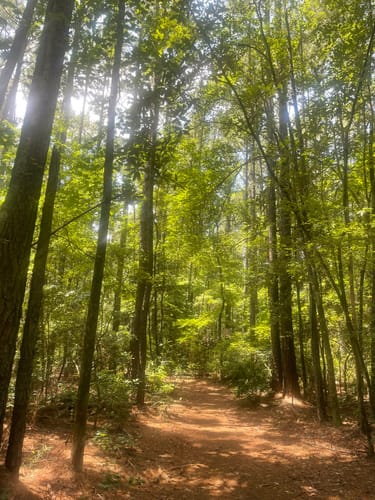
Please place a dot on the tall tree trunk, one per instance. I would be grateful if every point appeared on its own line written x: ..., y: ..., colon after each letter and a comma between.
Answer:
x: 315, y: 355
x: 84, y: 104
x: 10, y: 104
x: 301, y: 339
x: 33, y: 314
x: 273, y: 291
x: 290, y: 375
x: 251, y: 258
x: 332, y: 394
x: 372, y: 261
x: 145, y: 273
x: 79, y: 430
x: 17, y: 49
x: 19, y: 211
x: 273, y: 278
x: 31, y: 326
x: 116, y: 314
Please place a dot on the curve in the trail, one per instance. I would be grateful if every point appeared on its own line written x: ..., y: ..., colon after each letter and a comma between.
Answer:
x: 204, y: 445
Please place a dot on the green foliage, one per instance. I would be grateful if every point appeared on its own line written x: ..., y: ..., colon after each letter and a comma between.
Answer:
x: 113, y: 442
x: 37, y: 454
x: 110, y: 481
x: 158, y: 382
x: 113, y: 393
x: 244, y: 367
x: 213, y: 71
x: 8, y: 139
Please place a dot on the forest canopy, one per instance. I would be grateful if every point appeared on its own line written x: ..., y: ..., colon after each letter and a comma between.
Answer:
x: 186, y: 187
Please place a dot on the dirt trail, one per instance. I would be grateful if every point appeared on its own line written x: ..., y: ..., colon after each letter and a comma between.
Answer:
x: 205, y: 445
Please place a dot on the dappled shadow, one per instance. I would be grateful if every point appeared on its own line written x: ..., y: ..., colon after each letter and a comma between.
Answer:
x: 12, y: 488
x: 203, y: 449
x: 205, y: 446
x: 222, y: 468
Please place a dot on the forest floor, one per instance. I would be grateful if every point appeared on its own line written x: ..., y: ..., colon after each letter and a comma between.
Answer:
x: 202, y: 444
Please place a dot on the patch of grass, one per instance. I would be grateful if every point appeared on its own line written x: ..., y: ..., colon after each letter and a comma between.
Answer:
x: 109, y: 481
x: 37, y: 454
x: 135, y: 481
x: 113, y: 442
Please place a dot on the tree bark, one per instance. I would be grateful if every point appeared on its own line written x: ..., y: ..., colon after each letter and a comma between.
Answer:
x: 17, y: 49
x: 79, y: 431
x: 116, y: 320
x: 31, y: 327
x: 332, y: 393
x: 315, y: 355
x: 301, y: 340
x: 372, y: 263
x: 290, y: 375
x: 32, y: 320
x: 273, y: 291
x: 19, y: 211
x: 145, y: 273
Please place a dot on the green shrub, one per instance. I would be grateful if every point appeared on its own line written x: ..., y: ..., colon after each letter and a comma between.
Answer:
x: 244, y: 367
x: 157, y: 380
x: 113, y: 393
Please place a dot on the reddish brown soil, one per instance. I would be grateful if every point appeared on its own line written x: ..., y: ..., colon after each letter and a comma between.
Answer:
x: 204, y: 444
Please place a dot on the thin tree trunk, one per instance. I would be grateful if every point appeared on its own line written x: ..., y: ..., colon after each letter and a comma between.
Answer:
x: 273, y: 292
x: 315, y: 355
x: 116, y: 319
x: 80, y: 423
x: 372, y: 263
x: 143, y: 294
x: 300, y: 340
x: 332, y: 393
x: 19, y: 211
x: 17, y: 49
x: 10, y: 104
x: 83, y: 110
x: 290, y: 375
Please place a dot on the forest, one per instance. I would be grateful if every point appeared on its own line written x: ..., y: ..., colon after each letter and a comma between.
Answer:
x: 186, y: 187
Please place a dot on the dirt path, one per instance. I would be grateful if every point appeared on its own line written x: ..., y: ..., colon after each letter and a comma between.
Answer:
x: 204, y: 445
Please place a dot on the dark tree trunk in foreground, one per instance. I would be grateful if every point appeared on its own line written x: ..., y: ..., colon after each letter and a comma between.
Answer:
x: 79, y: 431
x: 19, y: 211
x: 31, y: 328
x: 17, y: 49
x: 32, y: 319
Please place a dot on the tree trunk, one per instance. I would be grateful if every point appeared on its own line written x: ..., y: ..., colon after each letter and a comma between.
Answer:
x: 301, y: 340
x: 33, y: 314
x: 251, y: 257
x: 10, y: 104
x: 19, y: 211
x: 116, y: 314
x: 372, y: 263
x: 273, y: 291
x: 315, y: 355
x: 31, y: 326
x: 145, y: 272
x: 17, y: 49
x: 332, y: 393
x: 290, y: 375
x: 79, y: 431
